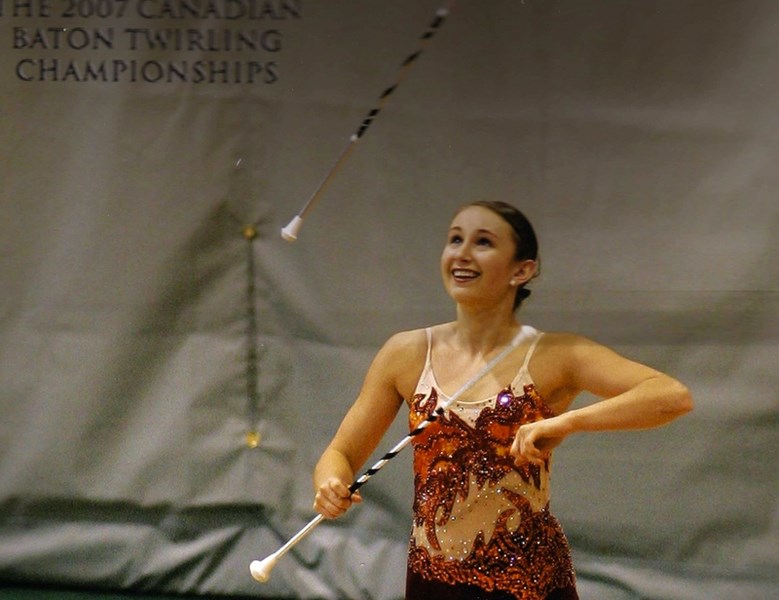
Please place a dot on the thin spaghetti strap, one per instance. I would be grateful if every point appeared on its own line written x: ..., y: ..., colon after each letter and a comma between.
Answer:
x: 530, y: 350
x: 429, y: 334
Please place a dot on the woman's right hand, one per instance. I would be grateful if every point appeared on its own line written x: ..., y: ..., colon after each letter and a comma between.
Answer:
x: 333, y: 498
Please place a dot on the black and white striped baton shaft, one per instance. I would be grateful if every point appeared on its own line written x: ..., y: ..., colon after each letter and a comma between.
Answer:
x: 432, y: 28
x: 405, y: 67
x: 394, y: 451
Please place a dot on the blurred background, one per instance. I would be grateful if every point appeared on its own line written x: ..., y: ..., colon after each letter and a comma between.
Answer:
x: 171, y: 369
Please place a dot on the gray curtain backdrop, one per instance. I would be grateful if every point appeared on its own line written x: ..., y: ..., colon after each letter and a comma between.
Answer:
x: 143, y: 336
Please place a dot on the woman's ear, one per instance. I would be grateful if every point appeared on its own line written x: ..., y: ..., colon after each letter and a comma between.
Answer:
x: 525, y: 271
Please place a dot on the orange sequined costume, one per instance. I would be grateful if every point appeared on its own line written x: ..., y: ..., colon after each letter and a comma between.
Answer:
x: 482, y: 527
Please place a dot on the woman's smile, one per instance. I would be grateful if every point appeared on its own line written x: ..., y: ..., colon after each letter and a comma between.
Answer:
x: 464, y: 275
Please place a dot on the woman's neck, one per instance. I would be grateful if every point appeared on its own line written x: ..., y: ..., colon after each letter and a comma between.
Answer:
x: 481, y: 332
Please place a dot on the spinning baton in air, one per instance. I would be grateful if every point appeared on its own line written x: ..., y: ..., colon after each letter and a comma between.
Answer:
x: 290, y: 232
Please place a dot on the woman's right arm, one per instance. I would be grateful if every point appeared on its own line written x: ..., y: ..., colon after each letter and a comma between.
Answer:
x: 365, y: 424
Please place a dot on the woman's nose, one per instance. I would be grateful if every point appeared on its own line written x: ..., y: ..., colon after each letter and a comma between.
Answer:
x: 463, y: 251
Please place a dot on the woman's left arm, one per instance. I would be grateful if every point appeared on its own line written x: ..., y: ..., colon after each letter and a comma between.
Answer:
x: 634, y: 396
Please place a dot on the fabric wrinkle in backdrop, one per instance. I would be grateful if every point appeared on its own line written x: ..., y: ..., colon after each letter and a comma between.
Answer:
x: 639, y: 137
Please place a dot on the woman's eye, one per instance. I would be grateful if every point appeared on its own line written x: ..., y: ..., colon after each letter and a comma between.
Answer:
x: 455, y: 239
x: 484, y: 242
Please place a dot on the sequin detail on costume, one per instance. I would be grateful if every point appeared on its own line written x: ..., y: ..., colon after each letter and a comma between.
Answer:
x: 478, y: 518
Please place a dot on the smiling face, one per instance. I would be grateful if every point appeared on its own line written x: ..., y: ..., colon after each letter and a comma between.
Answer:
x: 478, y: 263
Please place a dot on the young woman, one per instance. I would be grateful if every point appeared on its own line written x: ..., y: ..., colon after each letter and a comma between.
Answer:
x: 482, y: 527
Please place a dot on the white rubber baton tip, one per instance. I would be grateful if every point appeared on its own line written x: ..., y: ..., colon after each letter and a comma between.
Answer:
x: 290, y: 232
x: 260, y: 569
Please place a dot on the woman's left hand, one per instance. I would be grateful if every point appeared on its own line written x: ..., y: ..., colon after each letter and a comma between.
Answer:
x: 535, y: 441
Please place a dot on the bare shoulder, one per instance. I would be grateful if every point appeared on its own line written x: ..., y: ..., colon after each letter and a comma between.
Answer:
x: 575, y: 363
x: 552, y: 367
x: 565, y: 345
x: 402, y: 357
x: 405, y: 343
x: 572, y: 350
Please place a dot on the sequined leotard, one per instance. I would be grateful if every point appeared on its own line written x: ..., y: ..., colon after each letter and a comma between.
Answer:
x: 482, y: 527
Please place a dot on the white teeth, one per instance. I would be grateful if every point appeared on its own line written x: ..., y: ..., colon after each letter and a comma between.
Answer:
x: 464, y: 273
